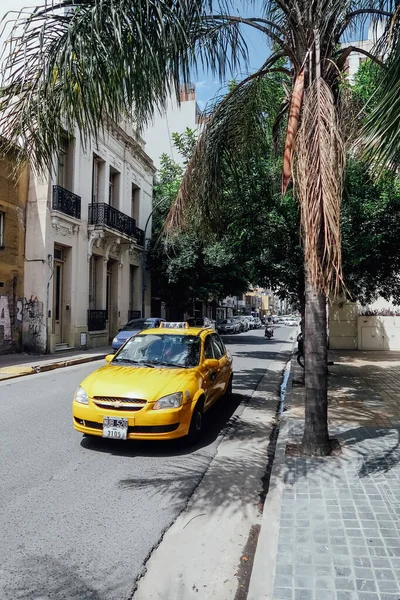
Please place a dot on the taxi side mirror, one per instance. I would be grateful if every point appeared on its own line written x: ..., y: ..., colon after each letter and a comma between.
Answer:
x: 211, y: 363
x: 109, y: 357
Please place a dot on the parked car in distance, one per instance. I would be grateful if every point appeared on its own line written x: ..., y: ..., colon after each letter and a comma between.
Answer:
x: 250, y: 319
x: 158, y: 385
x: 257, y: 322
x: 200, y: 322
x: 228, y: 326
x: 241, y: 323
x: 133, y: 327
x: 292, y: 322
x: 245, y: 322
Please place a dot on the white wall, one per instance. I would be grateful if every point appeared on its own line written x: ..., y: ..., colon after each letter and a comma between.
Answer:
x: 175, y: 119
x: 379, y: 333
x: 343, y: 329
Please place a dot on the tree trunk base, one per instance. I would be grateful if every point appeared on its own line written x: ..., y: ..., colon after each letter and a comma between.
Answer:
x: 296, y: 450
x: 316, y: 448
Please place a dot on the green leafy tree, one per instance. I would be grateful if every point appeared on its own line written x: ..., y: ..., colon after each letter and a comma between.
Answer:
x: 189, y: 267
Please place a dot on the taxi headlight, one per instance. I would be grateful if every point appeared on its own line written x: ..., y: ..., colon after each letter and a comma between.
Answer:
x: 81, y: 396
x: 170, y: 401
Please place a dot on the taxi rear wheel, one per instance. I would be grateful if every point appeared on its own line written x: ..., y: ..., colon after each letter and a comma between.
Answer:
x: 197, y: 423
x: 228, y: 393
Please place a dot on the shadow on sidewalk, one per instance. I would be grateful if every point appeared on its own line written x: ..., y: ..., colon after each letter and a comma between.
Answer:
x: 368, y: 452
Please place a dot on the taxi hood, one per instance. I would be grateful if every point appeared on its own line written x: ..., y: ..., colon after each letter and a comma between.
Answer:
x: 145, y: 383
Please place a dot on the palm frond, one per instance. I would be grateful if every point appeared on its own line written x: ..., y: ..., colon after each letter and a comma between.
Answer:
x: 236, y: 134
x: 319, y: 173
x: 82, y: 63
x: 380, y: 136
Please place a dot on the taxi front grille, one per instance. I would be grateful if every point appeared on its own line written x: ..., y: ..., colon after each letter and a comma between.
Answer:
x: 133, y: 428
x: 115, y: 403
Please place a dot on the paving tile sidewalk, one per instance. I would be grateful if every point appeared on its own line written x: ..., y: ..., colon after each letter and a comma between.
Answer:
x: 19, y: 365
x: 339, y: 533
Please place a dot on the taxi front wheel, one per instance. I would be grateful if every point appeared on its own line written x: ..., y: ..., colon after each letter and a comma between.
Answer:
x: 228, y: 392
x: 196, y: 428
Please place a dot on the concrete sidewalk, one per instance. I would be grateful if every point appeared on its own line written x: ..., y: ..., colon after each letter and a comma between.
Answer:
x: 331, y: 527
x: 20, y: 365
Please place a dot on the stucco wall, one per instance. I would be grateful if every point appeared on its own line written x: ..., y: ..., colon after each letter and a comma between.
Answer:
x: 343, y: 332
x: 379, y: 333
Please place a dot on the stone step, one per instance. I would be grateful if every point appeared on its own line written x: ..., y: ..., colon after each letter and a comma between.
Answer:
x: 62, y: 347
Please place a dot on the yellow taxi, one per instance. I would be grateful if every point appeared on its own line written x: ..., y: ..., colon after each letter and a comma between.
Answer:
x: 157, y: 386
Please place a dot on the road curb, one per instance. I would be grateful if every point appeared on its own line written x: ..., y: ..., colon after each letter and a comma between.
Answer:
x: 60, y: 364
x: 263, y: 573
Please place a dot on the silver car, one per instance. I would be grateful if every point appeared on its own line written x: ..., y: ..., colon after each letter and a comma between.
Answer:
x: 228, y: 326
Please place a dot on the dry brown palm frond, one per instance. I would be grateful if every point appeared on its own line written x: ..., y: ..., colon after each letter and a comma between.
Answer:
x: 292, y: 127
x: 319, y: 177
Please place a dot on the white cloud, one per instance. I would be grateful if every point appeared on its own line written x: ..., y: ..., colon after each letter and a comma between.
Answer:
x: 201, y: 84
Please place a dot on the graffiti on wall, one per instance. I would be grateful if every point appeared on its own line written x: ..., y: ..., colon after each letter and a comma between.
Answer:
x: 15, y: 312
x: 5, y: 319
x: 33, y: 315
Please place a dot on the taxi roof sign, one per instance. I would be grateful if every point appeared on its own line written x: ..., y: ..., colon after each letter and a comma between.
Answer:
x: 174, y: 325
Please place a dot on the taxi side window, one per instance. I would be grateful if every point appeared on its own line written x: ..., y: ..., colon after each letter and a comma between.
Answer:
x: 219, y: 350
x: 208, y: 348
x: 218, y: 342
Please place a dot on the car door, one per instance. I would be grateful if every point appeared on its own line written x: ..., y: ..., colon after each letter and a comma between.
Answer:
x: 210, y: 382
x: 224, y: 372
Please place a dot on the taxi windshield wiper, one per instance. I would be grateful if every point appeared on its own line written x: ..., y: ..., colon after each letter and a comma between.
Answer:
x: 164, y: 363
x: 133, y: 362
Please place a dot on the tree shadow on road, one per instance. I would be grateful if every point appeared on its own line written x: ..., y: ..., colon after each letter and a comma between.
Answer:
x: 45, y: 578
x: 233, y: 481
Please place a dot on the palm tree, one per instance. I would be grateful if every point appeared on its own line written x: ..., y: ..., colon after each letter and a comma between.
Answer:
x: 307, y: 34
x: 94, y: 60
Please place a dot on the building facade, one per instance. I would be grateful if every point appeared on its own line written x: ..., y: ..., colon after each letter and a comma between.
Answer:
x: 355, y: 59
x: 84, y: 239
x: 175, y: 118
x: 13, y: 198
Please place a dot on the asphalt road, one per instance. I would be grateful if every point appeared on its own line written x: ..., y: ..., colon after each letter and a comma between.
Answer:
x: 79, y: 516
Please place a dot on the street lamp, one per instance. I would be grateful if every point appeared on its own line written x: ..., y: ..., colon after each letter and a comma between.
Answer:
x: 144, y: 256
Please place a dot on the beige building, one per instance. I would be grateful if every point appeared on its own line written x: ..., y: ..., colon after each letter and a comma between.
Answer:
x: 13, y: 197
x: 85, y: 237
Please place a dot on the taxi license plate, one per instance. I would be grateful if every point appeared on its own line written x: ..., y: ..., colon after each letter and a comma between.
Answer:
x: 115, y: 428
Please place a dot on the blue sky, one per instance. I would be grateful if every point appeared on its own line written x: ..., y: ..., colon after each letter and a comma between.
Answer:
x: 208, y: 86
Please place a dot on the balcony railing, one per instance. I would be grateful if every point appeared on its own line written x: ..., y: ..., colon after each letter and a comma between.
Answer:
x: 97, y: 320
x: 104, y: 214
x: 66, y: 202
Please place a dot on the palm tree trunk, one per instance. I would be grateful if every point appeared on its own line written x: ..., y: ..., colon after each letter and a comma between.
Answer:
x: 316, y: 437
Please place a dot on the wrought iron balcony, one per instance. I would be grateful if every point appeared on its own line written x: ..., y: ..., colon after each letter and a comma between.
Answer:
x: 66, y: 202
x: 104, y: 214
x: 97, y: 320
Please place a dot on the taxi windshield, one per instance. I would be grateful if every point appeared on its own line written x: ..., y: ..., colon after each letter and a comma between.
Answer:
x: 170, y: 350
